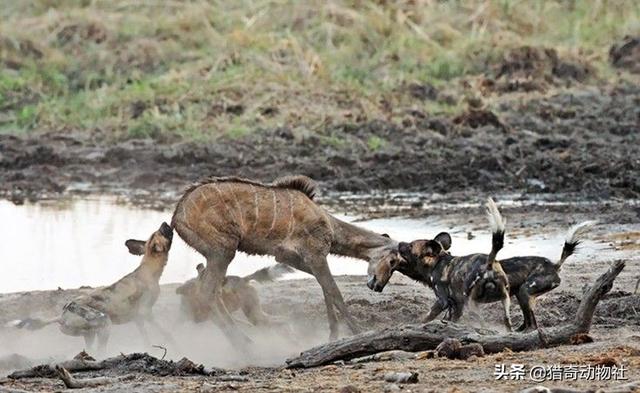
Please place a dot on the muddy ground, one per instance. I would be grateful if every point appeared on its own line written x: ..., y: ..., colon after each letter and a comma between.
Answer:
x: 615, y: 329
x: 581, y: 140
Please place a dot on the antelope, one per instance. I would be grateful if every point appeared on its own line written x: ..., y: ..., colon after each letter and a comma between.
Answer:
x: 222, y: 215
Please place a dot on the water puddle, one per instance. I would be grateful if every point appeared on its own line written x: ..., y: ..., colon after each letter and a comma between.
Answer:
x: 73, y: 243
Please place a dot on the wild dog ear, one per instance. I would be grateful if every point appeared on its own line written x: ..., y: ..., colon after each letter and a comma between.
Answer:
x: 136, y: 247
x: 433, y: 249
x: 443, y: 238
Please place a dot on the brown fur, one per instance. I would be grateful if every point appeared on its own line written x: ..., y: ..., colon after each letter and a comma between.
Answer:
x: 129, y: 299
x: 220, y: 216
x: 237, y: 294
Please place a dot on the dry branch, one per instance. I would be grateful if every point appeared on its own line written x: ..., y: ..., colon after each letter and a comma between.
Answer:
x: 421, y: 337
x: 123, y: 364
x: 73, y: 383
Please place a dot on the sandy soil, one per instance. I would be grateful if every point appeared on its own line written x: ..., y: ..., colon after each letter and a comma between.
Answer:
x: 615, y: 331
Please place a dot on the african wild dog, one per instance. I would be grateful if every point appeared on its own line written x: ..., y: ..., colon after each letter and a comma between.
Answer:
x: 460, y: 281
x: 528, y: 277
x: 222, y: 215
x: 237, y: 294
x: 129, y: 299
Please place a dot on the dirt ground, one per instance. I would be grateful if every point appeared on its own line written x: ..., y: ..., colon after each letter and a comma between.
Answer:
x: 615, y: 330
x: 580, y: 140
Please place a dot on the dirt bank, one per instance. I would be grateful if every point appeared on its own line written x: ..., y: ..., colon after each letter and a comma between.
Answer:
x: 581, y: 140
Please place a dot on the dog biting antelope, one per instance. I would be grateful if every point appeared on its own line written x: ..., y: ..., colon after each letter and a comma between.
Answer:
x: 222, y: 215
x: 129, y: 299
x: 462, y: 281
x: 237, y: 294
x: 528, y: 276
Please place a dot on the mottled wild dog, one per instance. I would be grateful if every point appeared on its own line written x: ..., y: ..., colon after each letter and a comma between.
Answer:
x: 528, y: 276
x: 222, y: 215
x: 129, y: 299
x: 461, y: 281
x: 237, y: 294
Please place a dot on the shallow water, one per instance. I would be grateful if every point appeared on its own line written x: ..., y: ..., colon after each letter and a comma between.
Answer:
x: 73, y: 243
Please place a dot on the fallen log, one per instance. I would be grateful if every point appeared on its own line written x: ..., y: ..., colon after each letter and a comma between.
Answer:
x: 421, y: 337
x: 74, y: 383
x: 123, y: 364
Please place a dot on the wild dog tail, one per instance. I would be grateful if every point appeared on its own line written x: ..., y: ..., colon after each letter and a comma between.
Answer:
x: 575, y: 235
x: 31, y: 323
x: 270, y: 273
x: 496, y: 223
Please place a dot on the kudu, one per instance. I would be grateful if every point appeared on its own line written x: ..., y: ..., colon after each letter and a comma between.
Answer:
x: 222, y: 215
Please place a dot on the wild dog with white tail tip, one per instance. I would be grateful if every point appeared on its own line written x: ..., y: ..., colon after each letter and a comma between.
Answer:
x: 528, y: 276
x: 457, y: 281
x: 129, y: 299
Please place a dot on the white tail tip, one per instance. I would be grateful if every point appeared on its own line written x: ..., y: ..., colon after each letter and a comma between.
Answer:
x: 496, y: 222
x: 13, y: 323
x: 577, y: 232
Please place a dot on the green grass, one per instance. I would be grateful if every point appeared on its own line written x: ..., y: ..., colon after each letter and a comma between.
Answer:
x: 171, y: 70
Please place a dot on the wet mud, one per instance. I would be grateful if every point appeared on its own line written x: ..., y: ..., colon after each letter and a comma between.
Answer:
x: 581, y: 140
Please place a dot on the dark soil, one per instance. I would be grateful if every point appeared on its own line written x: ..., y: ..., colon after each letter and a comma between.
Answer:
x: 583, y: 141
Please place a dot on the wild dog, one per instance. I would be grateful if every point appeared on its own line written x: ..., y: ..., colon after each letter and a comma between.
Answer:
x: 237, y: 294
x: 528, y: 276
x: 129, y: 299
x: 222, y: 215
x: 457, y: 281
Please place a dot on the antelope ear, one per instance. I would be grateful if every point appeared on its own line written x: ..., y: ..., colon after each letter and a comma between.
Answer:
x: 445, y: 239
x: 136, y: 247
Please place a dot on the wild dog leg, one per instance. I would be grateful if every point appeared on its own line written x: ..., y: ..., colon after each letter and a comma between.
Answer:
x: 523, y: 302
x: 533, y: 288
x: 506, y: 305
x: 436, y: 310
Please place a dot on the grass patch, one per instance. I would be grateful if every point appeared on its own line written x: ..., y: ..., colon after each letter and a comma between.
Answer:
x: 375, y: 143
x: 184, y: 69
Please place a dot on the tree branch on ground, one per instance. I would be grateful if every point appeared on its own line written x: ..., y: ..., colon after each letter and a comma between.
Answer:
x: 421, y: 337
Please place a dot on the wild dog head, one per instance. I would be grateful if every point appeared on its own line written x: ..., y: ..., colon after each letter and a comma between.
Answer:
x: 158, y: 244
x: 381, y: 267
x: 425, y: 252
